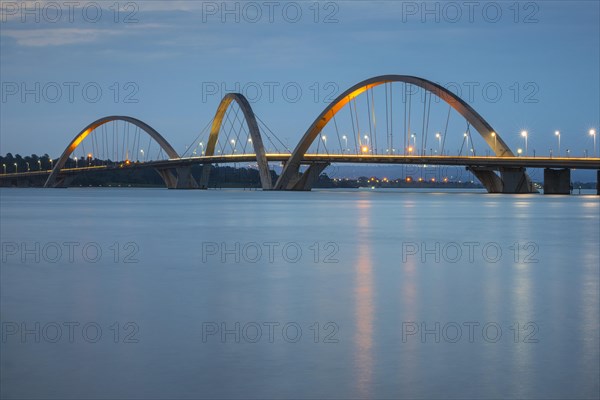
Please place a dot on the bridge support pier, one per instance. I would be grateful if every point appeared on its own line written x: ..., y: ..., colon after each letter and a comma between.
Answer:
x: 306, y: 180
x: 488, y: 178
x: 515, y: 180
x: 178, y: 178
x: 203, y: 184
x: 510, y: 180
x: 557, y: 181
x: 63, y: 181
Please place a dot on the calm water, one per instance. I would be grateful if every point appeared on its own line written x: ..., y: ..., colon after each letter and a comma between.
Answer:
x: 396, y: 294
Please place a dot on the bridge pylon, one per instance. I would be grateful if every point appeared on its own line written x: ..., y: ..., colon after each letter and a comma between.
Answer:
x: 178, y: 177
x: 509, y: 180
x: 305, y: 181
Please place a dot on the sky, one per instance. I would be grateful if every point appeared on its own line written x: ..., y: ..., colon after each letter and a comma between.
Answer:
x: 66, y: 64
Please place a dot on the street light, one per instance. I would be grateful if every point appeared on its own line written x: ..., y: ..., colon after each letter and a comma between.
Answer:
x: 51, y: 163
x: 16, y: 168
x: 345, y: 143
x: 4, y: 167
x: 467, y: 139
x: 75, y: 162
x: 439, y: 138
x: 519, y: 151
x: 593, y: 134
x: 524, y: 134
x: 201, y: 145
x: 27, y: 163
x: 39, y: 165
x: 557, y: 134
x: 494, y: 136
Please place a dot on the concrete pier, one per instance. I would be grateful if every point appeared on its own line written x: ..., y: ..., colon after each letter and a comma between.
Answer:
x: 557, y: 181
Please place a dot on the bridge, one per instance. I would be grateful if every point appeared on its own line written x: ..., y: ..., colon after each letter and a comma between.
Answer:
x: 423, y: 124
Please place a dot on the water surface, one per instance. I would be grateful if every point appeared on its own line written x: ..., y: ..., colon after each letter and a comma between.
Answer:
x: 505, y: 288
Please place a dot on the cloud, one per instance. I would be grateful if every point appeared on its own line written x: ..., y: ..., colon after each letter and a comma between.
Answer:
x: 68, y: 36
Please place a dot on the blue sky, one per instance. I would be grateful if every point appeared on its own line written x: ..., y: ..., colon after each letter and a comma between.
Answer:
x: 544, y: 56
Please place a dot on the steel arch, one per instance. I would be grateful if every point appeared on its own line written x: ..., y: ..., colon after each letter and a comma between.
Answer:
x: 486, y: 131
x: 257, y: 143
x: 99, y: 122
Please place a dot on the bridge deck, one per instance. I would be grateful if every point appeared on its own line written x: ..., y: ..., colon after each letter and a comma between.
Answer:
x: 473, y: 161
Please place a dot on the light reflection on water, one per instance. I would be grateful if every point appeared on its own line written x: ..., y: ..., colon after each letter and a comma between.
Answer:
x: 364, y: 303
x: 369, y: 294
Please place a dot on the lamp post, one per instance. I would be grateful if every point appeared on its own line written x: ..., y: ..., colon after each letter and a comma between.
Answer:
x: 593, y: 134
x: 4, y: 167
x: 524, y: 134
x: 75, y: 162
x: 557, y: 134
x: 202, y: 146
x: 439, y: 138
x: 467, y: 139
x: 27, y: 163
x: 345, y: 143
x: 519, y: 151
x: 495, y: 142
x: 16, y: 168
x: 51, y: 163
x: 39, y: 165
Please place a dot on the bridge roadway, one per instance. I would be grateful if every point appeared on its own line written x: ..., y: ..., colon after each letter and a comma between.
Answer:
x: 470, y: 161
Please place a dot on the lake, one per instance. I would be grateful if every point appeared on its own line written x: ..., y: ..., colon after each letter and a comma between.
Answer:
x: 155, y: 293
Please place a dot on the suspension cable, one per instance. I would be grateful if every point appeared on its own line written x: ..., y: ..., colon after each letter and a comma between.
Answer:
x: 446, y: 129
x: 353, y: 129
x: 337, y: 132
x: 391, y: 118
x: 371, y: 144
x: 374, y: 119
x: 273, y: 133
x: 427, y: 121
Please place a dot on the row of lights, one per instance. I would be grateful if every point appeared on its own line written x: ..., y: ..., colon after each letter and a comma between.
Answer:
x: 232, y: 141
x: 524, y: 135
x: 364, y: 148
x: 408, y: 179
x: 438, y: 136
x: 39, y: 162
